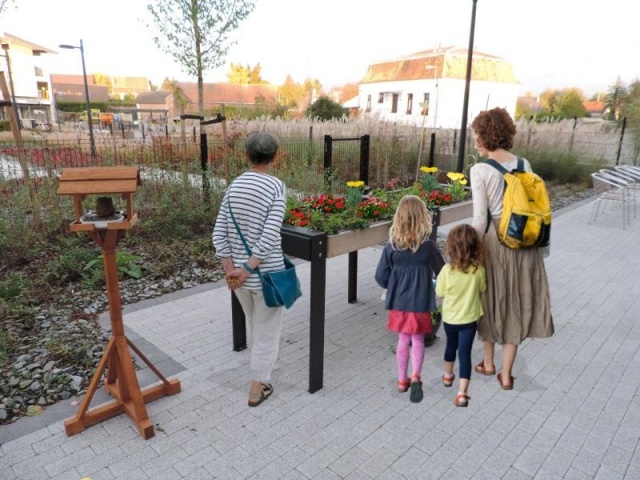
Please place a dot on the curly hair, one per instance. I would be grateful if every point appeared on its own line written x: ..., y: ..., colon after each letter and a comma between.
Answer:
x: 464, y: 248
x: 411, y: 224
x: 495, y: 129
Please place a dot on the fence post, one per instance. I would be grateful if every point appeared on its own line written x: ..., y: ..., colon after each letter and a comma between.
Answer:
x: 144, y: 137
x: 328, y: 147
x: 204, y: 166
x: 364, y: 159
x: 122, y: 129
x: 432, y: 149
x: 624, y: 125
x: 573, y: 133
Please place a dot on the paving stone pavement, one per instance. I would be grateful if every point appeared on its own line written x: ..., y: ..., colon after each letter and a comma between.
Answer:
x: 574, y: 412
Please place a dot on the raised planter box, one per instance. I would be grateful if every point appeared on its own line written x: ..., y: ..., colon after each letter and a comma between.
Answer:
x: 353, y: 240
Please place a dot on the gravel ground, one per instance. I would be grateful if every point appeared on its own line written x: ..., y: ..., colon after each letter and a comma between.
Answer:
x: 33, y: 380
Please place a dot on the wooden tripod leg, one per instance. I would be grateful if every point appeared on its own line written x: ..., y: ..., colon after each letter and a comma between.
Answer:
x: 171, y: 386
x: 77, y: 424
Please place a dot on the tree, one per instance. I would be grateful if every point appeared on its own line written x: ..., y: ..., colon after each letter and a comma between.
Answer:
x: 4, y: 5
x: 171, y: 85
x: 196, y: 33
x: 325, y: 109
x: 348, y: 91
x: 613, y: 101
x: 567, y: 103
x: 291, y: 93
x: 104, y: 80
x: 240, y: 75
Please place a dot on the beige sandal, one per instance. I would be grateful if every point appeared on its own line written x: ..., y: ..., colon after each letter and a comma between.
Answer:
x: 256, y: 399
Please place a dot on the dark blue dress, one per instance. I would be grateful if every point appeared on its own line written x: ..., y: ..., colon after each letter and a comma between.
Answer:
x: 408, y: 277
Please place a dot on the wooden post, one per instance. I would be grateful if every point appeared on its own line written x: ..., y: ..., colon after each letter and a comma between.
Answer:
x: 13, y: 121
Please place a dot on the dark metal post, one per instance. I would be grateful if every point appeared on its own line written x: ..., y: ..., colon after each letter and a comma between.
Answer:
x: 204, y: 165
x: 352, y: 290
x: 364, y: 159
x: 624, y: 125
x: 317, y: 311
x: 328, y: 148
x: 86, y: 96
x: 432, y: 150
x: 88, y: 99
x: 465, y: 103
x: 238, y: 325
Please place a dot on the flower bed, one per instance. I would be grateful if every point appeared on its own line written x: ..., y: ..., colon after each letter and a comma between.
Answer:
x: 356, y: 210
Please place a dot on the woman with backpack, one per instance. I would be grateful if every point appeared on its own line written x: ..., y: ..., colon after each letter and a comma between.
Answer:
x: 516, y: 302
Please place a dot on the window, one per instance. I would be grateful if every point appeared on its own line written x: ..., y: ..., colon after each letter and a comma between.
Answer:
x: 38, y: 72
x: 394, y: 103
x: 368, y: 103
x: 409, y: 103
x: 425, y: 104
x: 381, y: 97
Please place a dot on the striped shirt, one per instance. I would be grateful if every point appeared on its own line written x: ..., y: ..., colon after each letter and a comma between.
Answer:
x: 258, y: 203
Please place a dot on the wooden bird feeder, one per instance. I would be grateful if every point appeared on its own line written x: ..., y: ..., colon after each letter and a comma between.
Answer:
x: 121, y: 381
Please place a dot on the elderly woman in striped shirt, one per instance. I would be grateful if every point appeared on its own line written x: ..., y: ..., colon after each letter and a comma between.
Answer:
x: 257, y: 202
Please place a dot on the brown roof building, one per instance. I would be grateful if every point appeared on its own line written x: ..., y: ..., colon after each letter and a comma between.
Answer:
x: 215, y: 94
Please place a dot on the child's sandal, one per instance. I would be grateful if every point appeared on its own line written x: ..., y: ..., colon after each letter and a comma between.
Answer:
x: 462, y: 400
x: 416, y: 390
x: 403, y: 386
x: 448, y: 381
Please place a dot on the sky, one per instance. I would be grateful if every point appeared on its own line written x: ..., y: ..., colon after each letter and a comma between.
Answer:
x: 550, y: 43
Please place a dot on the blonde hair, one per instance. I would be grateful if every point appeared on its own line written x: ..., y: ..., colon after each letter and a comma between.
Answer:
x: 464, y: 248
x: 411, y: 224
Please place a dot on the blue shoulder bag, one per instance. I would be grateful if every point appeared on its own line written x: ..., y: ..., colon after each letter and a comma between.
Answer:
x: 280, y: 289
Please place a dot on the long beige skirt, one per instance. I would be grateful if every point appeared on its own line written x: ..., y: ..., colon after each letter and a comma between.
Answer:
x: 516, y: 303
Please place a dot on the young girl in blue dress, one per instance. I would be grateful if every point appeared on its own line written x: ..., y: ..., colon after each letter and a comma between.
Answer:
x: 460, y: 283
x: 406, y: 269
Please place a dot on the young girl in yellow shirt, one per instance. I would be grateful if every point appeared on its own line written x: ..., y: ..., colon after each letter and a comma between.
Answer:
x: 460, y: 283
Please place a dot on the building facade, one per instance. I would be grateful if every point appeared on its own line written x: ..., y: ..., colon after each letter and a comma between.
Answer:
x: 29, y: 82
x: 427, y: 88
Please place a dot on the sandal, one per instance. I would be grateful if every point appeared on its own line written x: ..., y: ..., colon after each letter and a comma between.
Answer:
x: 462, y: 400
x: 404, y: 386
x: 448, y: 381
x: 267, y: 390
x: 502, y: 385
x: 416, y: 390
x: 483, y: 371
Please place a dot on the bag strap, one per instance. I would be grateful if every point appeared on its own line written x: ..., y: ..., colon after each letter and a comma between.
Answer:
x: 244, y: 241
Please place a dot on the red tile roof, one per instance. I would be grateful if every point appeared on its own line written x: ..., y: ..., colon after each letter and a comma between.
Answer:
x: 228, y: 93
x: 592, y: 106
x: 450, y: 62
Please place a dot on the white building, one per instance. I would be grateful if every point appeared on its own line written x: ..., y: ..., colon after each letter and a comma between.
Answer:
x: 29, y: 78
x: 397, y: 90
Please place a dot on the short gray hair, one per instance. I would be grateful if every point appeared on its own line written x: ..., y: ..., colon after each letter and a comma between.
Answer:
x: 261, y: 147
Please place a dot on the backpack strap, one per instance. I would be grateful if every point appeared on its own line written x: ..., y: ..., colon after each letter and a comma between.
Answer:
x: 498, y: 166
x: 503, y: 171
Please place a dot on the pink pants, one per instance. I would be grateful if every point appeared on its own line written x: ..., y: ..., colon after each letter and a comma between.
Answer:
x: 417, y: 354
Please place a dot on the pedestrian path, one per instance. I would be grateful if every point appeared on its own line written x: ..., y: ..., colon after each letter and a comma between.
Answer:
x: 574, y: 412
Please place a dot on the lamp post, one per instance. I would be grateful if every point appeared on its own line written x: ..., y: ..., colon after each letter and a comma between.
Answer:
x: 86, y: 96
x: 465, y: 103
x: 5, y: 47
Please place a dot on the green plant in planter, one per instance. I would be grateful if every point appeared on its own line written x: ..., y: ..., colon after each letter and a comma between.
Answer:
x: 457, y: 186
x: 355, y: 191
x: 429, y: 179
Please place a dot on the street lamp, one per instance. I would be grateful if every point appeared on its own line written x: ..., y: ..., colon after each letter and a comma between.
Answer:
x: 86, y: 96
x: 465, y: 103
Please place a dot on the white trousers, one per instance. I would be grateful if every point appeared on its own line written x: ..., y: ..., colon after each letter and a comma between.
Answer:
x: 264, y: 325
